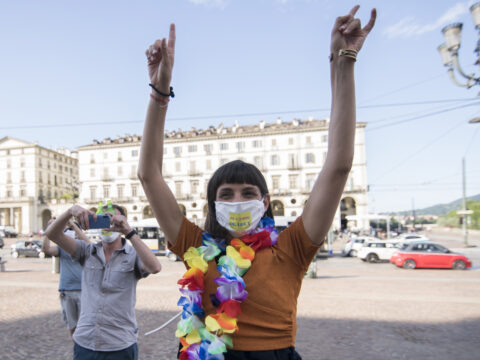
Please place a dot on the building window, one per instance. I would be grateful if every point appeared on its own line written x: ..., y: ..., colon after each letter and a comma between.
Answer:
x: 120, y: 189
x: 9, y: 178
x: 105, y: 172
x: 209, y: 164
x: 192, y: 167
x: 93, y: 192
x: 292, y: 180
x: 133, y: 171
x: 257, y: 143
x: 310, y: 181
x: 208, y: 148
x: 105, y: 155
x: 275, y: 182
x: 9, y: 193
x: 274, y: 142
x: 324, y: 138
x: 290, y: 141
x: 178, y: 166
x: 22, y: 162
x: 22, y: 176
x: 308, y: 140
x: 224, y: 146
x: 192, y: 148
x: 92, y: 159
x: 310, y: 158
x: 324, y: 156
x: 106, y: 191
x: 40, y: 177
x: 119, y: 156
x: 40, y: 162
x: 240, y: 146
x: 223, y: 161
x: 9, y: 164
x: 134, y: 153
x: 258, y: 161
x: 23, y: 191
x: 177, y: 150
x: 274, y: 160
x: 194, y: 186
x: 292, y: 161
x: 134, y: 190
x: 178, y: 188
x: 120, y: 171
x: 92, y: 172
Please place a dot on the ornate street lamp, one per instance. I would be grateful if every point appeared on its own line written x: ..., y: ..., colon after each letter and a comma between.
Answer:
x: 449, y: 50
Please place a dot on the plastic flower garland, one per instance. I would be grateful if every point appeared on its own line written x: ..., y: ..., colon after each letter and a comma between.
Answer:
x: 209, y: 339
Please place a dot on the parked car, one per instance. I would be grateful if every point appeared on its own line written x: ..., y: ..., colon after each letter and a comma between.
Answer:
x: 410, y: 237
x: 375, y: 251
x: 8, y: 231
x: 421, y: 254
x: 351, y: 247
x: 28, y: 249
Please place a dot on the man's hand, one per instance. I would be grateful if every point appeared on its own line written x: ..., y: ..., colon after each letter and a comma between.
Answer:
x: 119, y: 224
x: 81, y: 215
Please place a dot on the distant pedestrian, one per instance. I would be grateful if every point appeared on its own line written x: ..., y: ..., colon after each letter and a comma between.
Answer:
x: 70, y: 284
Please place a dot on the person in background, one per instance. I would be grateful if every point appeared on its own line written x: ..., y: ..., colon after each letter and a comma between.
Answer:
x: 107, y: 328
x: 70, y: 284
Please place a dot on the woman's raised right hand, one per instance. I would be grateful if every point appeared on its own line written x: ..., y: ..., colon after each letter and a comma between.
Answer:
x: 160, y: 57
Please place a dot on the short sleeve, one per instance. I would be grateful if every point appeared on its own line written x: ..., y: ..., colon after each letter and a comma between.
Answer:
x: 140, y: 272
x: 296, y: 244
x: 83, y: 249
x: 188, y: 236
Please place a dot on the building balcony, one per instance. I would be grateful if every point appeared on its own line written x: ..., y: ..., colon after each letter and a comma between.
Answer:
x: 184, y: 197
x: 107, y: 178
x: 123, y: 199
x: 354, y: 190
x: 294, y: 167
x: 16, y: 199
x: 194, y: 172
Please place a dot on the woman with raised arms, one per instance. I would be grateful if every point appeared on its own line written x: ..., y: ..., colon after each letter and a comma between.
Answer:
x: 239, y: 294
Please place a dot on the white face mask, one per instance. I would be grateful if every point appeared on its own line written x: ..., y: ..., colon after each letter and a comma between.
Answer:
x: 239, y: 217
x: 70, y: 233
x: 108, y: 236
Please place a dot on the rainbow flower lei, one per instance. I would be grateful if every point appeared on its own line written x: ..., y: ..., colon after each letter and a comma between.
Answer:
x: 209, y: 339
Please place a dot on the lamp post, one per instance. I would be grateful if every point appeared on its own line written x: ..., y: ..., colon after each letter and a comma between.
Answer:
x: 449, y: 50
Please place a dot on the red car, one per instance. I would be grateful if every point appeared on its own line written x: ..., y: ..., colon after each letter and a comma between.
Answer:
x: 425, y: 254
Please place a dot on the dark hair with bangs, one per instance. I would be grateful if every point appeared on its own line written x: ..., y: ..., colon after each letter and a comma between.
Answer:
x: 233, y: 172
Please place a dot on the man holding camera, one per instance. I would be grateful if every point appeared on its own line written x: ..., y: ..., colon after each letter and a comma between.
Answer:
x: 107, y: 326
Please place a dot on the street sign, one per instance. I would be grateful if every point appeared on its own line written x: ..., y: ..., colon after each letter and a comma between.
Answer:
x: 465, y: 212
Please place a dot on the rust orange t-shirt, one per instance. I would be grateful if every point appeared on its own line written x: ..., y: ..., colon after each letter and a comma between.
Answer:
x: 268, y: 319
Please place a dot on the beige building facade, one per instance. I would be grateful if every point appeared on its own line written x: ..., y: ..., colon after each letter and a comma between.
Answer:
x: 289, y: 154
x: 33, y: 181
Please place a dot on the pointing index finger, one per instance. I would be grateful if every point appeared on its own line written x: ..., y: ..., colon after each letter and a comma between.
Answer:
x: 354, y: 10
x: 171, y: 38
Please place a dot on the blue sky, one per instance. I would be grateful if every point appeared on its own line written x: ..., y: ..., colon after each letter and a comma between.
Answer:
x: 72, y: 72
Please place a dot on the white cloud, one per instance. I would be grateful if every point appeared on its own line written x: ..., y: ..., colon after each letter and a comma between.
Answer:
x: 409, y: 26
x: 212, y: 3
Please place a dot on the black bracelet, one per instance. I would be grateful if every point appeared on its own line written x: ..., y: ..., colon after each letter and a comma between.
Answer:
x: 130, y: 234
x: 171, y: 94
